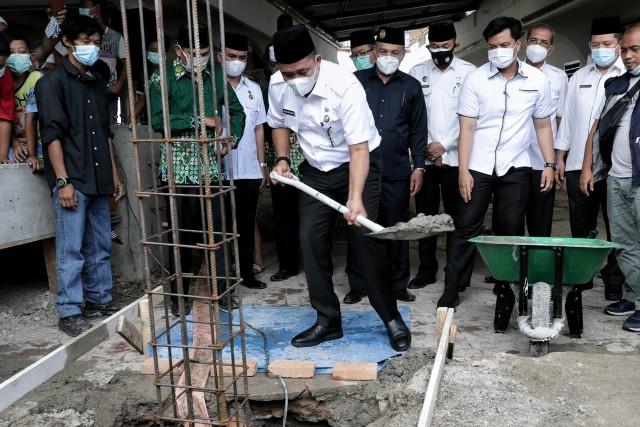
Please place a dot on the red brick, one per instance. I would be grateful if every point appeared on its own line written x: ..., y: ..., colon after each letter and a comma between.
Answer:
x: 343, y: 371
x: 293, y: 368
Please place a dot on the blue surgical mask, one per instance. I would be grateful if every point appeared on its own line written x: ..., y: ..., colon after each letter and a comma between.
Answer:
x: 2, y: 70
x: 19, y: 63
x: 153, y: 57
x: 604, y: 56
x: 85, y: 11
x: 363, y: 63
x: 636, y: 71
x: 87, y: 54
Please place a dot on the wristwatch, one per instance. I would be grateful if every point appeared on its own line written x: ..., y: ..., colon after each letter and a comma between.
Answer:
x: 281, y: 158
x: 553, y: 166
x: 419, y: 169
x: 263, y: 165
x: 61, y: 182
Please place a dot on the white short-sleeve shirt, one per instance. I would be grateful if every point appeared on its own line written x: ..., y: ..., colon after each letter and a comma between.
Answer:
x: 441, y: 89
x: 584, y: 95
x: 558, y: 82
x: 333, y: 116
x: 503, y: 109
x: 245, y: 163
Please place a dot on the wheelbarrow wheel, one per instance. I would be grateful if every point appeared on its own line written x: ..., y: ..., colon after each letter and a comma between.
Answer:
x: 538, y: 348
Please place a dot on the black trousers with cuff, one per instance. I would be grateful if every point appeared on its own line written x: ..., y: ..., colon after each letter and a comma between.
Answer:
x: 439, y: 183
x: 246, y: 194
x: 369, y: 254
x: 285, y: 200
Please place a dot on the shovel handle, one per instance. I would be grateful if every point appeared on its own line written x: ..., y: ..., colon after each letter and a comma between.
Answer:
x: 295, y: 182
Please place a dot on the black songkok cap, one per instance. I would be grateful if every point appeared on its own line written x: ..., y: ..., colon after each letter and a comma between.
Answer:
x: 292, y: 44
x: 236, y: 41
x: 183, y: 36
x: 606, y: 25
x: 361, y: 38
x: 391, y: 36
x: 442, y: 31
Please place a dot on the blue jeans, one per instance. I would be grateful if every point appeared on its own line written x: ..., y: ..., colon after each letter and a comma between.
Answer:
x: 83, y: 252
x: 623, y: 201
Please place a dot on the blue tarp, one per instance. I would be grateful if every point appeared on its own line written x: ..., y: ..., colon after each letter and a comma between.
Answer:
x: 365, y: 338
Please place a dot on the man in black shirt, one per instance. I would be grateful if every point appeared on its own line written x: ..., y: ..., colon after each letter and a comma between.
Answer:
x: 395, y: 99
x: 80, y: 169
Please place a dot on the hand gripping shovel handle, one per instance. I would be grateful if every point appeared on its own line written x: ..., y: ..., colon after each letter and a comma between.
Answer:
x: 295, y: 182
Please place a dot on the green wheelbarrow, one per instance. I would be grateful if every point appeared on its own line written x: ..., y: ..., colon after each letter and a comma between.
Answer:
x: 539, y: 267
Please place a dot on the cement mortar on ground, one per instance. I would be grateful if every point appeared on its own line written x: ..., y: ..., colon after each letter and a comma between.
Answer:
x: 418, y: 227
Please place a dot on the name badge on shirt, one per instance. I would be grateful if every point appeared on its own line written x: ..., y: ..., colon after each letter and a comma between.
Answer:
x: 289, y: 112
x: 528, y: 90
x: 585, y: 86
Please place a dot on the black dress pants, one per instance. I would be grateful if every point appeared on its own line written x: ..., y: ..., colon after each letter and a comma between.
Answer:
x: 394, y: 207
x: 369, y: 254
x: 285, y: 200
x: 190, y: 211
x: 583, y: 217
x: 437, y: 181
x: 509, y: 194
x: 540, y: 207
x: 246, y: 195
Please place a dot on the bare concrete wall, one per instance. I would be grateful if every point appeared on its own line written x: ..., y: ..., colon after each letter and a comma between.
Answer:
x: 26, y: 211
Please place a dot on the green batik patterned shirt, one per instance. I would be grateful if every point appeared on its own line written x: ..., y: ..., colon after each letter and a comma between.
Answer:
x: 187, y: 164
x: 296, y: 156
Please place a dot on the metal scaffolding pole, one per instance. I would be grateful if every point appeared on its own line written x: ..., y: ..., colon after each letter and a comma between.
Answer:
x: 206, y: 380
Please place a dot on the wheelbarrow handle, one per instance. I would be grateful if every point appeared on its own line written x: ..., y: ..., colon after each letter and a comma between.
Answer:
x: 295, y: 182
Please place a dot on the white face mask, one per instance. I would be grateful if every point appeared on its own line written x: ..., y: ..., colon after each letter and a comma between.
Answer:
x: 536, y: 53
x: 636, y: 71
x: 304, y: 85
x: 235, y: 67
x: 387, y: 64
x: 204, y: 61
x: 502, y: 57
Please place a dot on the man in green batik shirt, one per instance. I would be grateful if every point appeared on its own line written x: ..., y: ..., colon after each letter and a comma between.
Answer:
x: 187, y: 163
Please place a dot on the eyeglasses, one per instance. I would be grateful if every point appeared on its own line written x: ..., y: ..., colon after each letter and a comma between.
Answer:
x: 361, y: 54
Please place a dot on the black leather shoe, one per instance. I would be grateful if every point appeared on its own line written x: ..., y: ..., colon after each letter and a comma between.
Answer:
x: 255, y: 284
x: 282, y: 274
x: 229, y: 302
x: 91, y: 310
x: 73, y: 325
x: 353, y: 296
x: 422, y: 280
x: 315, y: 335
x: 404, y: 295
x: 175, y: 308
x: 399, y: 334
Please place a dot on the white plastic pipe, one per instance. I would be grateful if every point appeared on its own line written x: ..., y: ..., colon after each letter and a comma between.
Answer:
x: 295, y: 182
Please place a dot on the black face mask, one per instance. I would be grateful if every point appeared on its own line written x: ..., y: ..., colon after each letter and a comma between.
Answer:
x: 442, y: 58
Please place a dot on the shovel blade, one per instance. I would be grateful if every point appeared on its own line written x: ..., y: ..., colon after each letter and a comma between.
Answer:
x: 417, y: 228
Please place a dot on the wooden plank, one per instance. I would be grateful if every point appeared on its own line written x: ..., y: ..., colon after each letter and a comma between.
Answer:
x: 452, y: 341
x: 145, y: 324
x: 49, y: 251
x: 431, y: 395
x: 130, y: 333
x: 441, y: 315
x: 33, y: 375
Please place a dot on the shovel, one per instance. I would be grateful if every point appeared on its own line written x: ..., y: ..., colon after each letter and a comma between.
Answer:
x: 417, y: 228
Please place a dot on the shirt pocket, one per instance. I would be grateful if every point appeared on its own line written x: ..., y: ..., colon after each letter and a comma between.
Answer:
x: 291, y: 122
x: 426, y: 90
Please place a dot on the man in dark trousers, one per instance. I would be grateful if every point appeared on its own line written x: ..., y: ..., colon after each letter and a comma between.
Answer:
x: 395, y: 99
x: 497, y: 102
x: 328, y: 111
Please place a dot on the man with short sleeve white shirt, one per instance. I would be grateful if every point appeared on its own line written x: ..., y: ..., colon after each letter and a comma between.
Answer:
x: 441, y: 78
x: 584, y: 94
x: 246, y: 163
x: 540, y: 39
x: 328, y: 111
x: 497, y: 102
